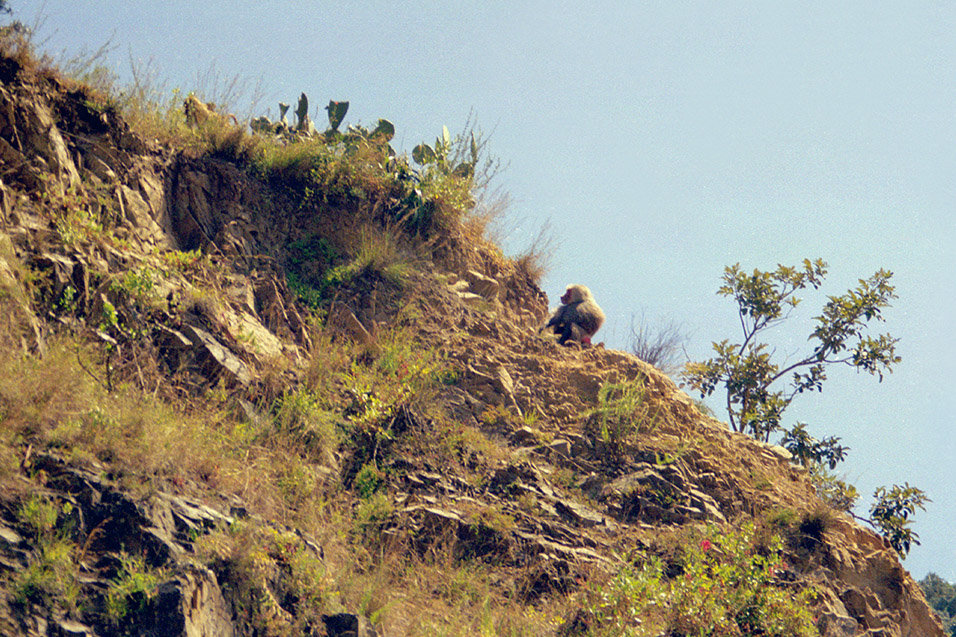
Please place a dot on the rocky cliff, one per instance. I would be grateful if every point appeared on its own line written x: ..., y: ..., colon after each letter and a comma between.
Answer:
x: 192, y: 445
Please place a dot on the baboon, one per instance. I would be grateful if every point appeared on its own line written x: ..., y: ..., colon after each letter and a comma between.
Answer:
x: 578, y: 318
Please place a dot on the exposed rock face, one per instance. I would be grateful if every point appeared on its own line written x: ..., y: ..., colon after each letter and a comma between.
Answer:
x: 191, y: 605
x: 188, y: 604
x: 521, y: 514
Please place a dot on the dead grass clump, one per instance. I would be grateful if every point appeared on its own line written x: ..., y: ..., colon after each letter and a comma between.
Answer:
x: 445, y: 597
x: 40, y: 392
x: 535, y: 260
x: 661, y: 345
x: 327, y: 360
x: 155, y: 111
x: 16, y: 51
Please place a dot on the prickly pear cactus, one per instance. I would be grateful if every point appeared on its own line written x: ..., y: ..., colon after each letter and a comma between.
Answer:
x: 261, y: 124
x: 337, y: 111
x: 384, y: 132
x: 302, y: 113
x: 423, y: 154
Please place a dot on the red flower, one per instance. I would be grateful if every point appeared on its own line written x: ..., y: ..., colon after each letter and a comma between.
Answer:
x: 706, y: 545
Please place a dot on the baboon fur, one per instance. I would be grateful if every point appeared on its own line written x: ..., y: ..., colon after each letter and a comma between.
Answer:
x: 578, y: 318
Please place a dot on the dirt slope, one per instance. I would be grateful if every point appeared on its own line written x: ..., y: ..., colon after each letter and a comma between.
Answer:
x: 542, y: 496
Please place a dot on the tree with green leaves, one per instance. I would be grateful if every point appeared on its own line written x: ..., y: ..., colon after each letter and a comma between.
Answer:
x: 941, y: 595
x: 759, y: 389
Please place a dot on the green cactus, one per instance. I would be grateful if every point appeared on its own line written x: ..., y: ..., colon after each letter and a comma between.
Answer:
x: 384, y: 131
x: 423, y: 154
x: 261, y: 124
x: 302, y: 113
x: 445, y: 141
x: 337, y: 111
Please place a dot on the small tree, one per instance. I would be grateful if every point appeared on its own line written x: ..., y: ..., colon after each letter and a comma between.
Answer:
x: 764, y: 299
x: 759, y: 389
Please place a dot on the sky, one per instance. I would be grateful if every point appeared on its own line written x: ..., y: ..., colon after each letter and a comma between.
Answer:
x: 658, y: 142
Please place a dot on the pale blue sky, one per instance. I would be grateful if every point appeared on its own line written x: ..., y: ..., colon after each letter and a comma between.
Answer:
x: 662, y: 141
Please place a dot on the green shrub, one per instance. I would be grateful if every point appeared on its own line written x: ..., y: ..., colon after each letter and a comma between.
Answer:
x: 371, y: 516
x: 623, y: 411
x: 50, y: 578
x: 368, y: 481
x: 726, y: 584
x: 132, y: 588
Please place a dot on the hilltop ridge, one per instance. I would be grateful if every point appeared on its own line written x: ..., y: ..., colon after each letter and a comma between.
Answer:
x: 267, y: 388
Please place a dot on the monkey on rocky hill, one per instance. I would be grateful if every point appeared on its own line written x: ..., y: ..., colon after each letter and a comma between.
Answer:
x: 578, y: 318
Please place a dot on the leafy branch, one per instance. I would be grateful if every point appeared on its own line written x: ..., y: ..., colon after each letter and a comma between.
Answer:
x: 765, y: 299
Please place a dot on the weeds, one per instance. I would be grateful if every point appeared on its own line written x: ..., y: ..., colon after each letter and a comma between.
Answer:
x: 82, y: 212
x: 50, y: 578
x: 623, y: 411
x: 371, y: 517
x: 138, y: 284
x: 132, y: 589
x: 728, y: 584
x: 249, y: 559
x: 307, y: 423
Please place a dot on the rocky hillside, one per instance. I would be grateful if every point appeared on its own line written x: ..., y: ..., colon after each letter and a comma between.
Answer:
x: 257, y: 384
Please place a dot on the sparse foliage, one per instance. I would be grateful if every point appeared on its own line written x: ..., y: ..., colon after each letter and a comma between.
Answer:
x: 661, y: 345
x: 728, y: 584
x: 765, y: 299
x: 836, y: 492
x: 807, y: 450
x: 623, y: 411
x: 891, y: 512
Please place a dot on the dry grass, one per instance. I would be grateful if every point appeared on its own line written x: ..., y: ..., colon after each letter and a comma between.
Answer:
x: 535, y: 260
x: 16, y: 45
x: 661, y: 345
x: 442, y: 596
x: 314, y: 429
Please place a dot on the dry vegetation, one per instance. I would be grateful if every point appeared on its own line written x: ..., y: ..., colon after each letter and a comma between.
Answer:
x: 329, y: 443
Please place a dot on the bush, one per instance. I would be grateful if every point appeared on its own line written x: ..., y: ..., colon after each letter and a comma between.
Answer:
x: 755, y: 404
x: 764, y: 299
x: 726, y: 582
x: 623, y: 410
